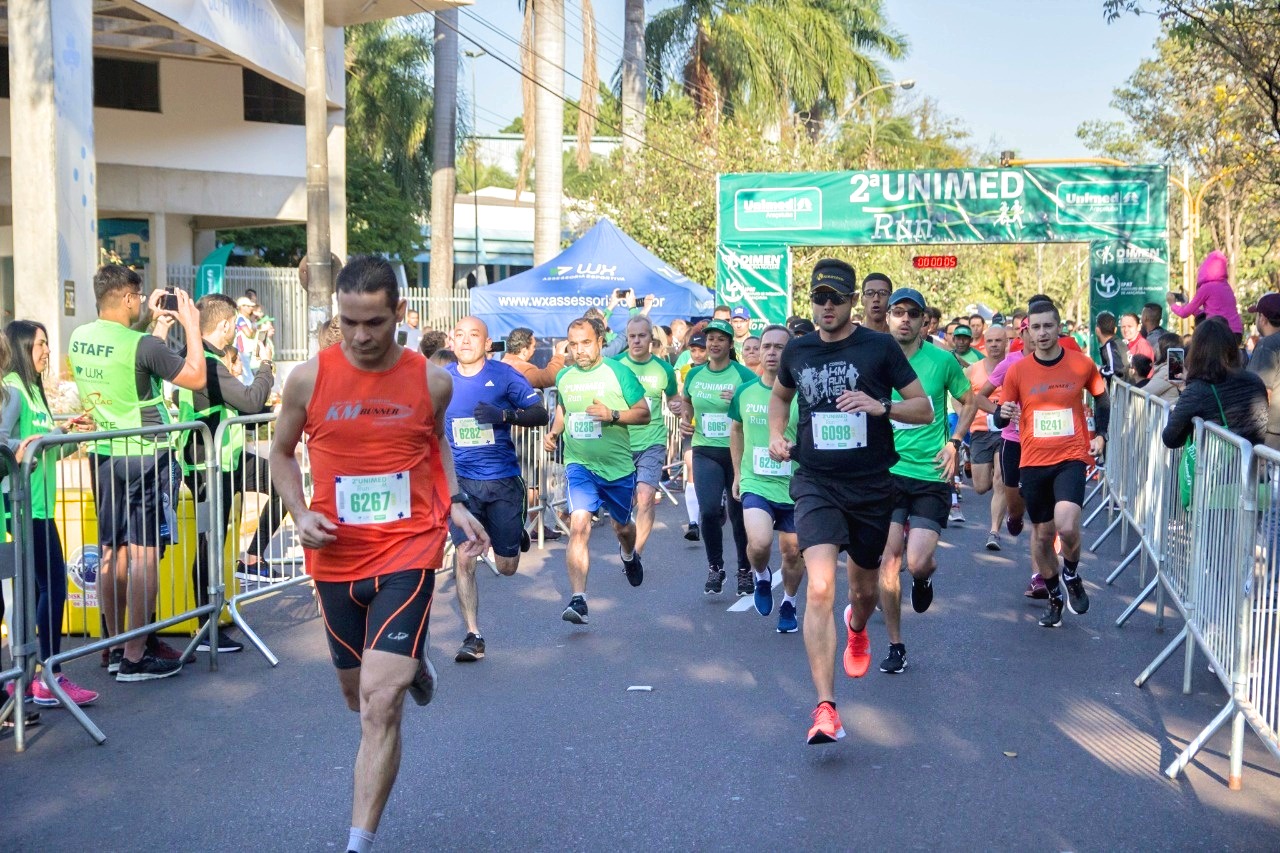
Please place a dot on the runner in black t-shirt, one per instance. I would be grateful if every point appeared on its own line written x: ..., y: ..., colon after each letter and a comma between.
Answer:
x: 842, y: 490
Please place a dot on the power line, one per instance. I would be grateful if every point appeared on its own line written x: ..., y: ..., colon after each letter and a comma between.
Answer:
x: 533, y: 79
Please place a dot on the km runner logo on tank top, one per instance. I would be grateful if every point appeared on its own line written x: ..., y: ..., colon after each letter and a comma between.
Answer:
x: 382, y: 410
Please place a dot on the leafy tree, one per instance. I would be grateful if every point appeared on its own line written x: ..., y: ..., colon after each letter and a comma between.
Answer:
x: 266, y: 246
x: 380, y: 220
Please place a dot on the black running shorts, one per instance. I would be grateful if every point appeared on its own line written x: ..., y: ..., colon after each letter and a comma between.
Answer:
x: 924, y: 503
x: 499, y: 505
x: 1045, y: 486
x: 388, y: 613
x: 983, y: 446
x: 1010, y: 462
x: 853, y: 514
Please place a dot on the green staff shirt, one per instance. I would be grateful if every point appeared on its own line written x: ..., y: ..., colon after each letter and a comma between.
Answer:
x: 918, y: 444
x: 602, y: 448
x: 657, y: 377
x: 711, y: 413
x: 760, y: 475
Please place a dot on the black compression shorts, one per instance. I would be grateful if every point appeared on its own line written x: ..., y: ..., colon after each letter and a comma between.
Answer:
x: 388, y: 613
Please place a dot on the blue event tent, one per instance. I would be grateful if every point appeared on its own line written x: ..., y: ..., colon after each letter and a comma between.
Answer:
x: 548, y: 297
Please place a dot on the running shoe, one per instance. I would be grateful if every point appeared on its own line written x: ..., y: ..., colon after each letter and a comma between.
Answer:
x: 113, y: 661
x: 897, y: 660
x: 78, y: 695
x: 787, y: 621
x: 525, y: 542
x: 857, y: 653
x: 1077, y: 598
x: 633, y: 568
x: 746, y: 582
x: 827, y: 727
x: 1013, y: 525
x: 764, y: 595
x: 11, y: 689
x: 993, y: 541
x: 921, y: 594
x: 715, y: 581
x: 956, y: 516
x: 147, y: 669
x: 33, y: 719
x: 423, y: 686
x: 576, y: 612
x: 693, y: 533
x: 261, y: 571
x: 158, y: 648
x: 226, y: 645
x: 1036, y: 588
x: 472, y: 649
x: 1052, y: 617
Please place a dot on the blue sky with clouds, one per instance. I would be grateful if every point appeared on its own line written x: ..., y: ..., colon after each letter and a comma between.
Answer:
x: 1020, y: 74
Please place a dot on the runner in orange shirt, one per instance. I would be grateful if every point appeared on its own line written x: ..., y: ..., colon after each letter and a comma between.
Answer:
x: 374, y: 530
x: 1045, y: 392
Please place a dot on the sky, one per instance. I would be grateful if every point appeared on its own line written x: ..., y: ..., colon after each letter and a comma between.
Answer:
x: 1017, y: 74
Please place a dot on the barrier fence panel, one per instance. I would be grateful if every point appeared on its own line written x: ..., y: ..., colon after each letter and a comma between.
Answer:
x: 21, y: 617
x: 1116, y: 468
x: 123, y: 509
x: 457, y: 307
x: 279, y: 293
x: 259, y: 554
x: 1257, y: 687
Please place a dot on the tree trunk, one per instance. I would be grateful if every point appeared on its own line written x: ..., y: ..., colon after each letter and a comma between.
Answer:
x: 548, y: 162
x: 443, y: 176
x: 633, y: 79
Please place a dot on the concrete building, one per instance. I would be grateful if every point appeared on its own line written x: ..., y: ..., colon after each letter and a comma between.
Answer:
x: 140, y: 126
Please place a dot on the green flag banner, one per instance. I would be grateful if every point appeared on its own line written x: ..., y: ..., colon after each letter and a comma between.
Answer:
x: 1126, y: 274
x: 758, y: 276
x: 213, y: 271
x: 1022, y: 205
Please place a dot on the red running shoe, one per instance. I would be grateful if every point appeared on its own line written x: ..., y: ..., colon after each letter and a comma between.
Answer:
x: 827, y: 727
x: 857, y: 654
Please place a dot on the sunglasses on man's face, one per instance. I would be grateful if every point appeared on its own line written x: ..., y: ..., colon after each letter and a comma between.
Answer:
x: 828, y: 297
x: 899, y: 313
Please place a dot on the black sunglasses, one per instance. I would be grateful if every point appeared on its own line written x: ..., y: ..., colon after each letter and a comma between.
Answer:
x: 913, y: 313
x: 828, y: 298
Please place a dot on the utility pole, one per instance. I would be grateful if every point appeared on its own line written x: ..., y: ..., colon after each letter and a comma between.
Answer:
x: 473, y: 55
x: 319, y: 267
x: 440, y: 274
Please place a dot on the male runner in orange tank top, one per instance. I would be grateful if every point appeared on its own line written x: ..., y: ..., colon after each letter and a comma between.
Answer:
x: 374, y: 531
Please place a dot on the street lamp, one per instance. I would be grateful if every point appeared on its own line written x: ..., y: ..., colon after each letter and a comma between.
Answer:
x: 897, y: 84
x: 473, y: 55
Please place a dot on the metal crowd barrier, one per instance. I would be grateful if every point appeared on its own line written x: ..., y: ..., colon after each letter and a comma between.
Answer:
x: 21, y: 618
x: 1257, y: 677
x: 139, y: 464
x: 1117, y: 487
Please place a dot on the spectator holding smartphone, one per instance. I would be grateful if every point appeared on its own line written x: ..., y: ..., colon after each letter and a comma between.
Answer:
x: 1162, y: 383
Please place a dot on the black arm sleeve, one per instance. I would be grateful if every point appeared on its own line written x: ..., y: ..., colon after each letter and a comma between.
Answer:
x: 1000, y: 420
x: 226, y: 389
x: 532, y: 416
x: 1101, y: 413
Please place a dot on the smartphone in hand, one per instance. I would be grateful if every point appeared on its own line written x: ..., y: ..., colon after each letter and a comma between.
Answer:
x: 1177, y: 363
x: 169, y: 302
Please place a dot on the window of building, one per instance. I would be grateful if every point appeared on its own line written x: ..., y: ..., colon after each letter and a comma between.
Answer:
x: 266, y: 100
x: 126, y: 84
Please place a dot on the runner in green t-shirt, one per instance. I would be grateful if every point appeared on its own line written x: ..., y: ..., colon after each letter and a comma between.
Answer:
x: 922, y: 475
x: 648, y: 442
x: 708, y: 389
x: 962, y: 340
x: 597, y: 400
x: 763, y: 484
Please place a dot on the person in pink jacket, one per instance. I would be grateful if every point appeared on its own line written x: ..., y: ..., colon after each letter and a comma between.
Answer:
x: 1214, y: 296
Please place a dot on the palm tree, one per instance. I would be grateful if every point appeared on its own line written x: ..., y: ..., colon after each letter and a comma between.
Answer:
x: 444, y: 177
x: 767, y: 60
x: 633, y: 78
x: 548, y: 175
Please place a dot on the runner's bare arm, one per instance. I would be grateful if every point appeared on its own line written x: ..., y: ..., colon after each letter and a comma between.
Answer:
x: 914, y: 408
x: 968, y: 411
x: 736, y: 445
x: 440, y: 384
x: 983, y: 399
x: 686, y: 415
x: 779, y: 414
x: 314, y: 530
x: 554, y: 430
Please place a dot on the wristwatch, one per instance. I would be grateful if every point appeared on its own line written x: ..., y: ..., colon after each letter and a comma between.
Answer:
x: 887, y: 403
x: 613, y: 413
x: 957, y: 442
x: 460, y: 498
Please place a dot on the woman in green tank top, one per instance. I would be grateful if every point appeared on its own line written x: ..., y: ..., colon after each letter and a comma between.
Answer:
x: 25, y: 417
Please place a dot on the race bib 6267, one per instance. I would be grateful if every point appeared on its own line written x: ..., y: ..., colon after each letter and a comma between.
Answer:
x: 377, y: 499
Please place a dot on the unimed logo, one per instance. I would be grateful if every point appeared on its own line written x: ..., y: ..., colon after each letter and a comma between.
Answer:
x: 778, y: 209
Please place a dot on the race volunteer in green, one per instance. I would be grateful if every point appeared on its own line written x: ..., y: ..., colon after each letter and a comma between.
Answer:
x: 118, y: 373
x: 488, y: 398
x: 922, y: 475
x: 763, y: 484
x: 708, y: 390
x: 597, y: 400
x: 648, y: 442
x: 241, y: 472
x: 25, y: 419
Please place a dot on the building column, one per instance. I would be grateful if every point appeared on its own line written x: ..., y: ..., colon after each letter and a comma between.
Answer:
x: 338, y: 184
x: 53, y: 164
x: 158, y: 265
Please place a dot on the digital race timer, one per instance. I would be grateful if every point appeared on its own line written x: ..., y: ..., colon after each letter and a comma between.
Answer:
x: 934, y: 262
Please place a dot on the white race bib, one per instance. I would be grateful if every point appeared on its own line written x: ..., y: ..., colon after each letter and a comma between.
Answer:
x: 1054, y: 423
x: 991, y: 423
x: 714, y: 426
x: 901, y: 425
x: 468, y: 433
x: 765, y: 466
x: 839, y: 430
x: 583, y: 427
x: 377, y: 499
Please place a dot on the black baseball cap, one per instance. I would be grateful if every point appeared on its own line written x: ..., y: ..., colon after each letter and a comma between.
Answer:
x: 834, y: 275
x: 698, y: 340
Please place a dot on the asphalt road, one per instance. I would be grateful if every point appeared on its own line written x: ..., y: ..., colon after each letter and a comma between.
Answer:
x: 1000, y: 736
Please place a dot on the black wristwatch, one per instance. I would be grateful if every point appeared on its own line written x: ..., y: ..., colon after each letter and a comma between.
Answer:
x: 887, y: 403
x: 613, y: 413
x: 460, y: 498
x: 957, y: 442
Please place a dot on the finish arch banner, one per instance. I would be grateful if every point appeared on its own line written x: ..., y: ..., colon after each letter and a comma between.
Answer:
x: 1122, y: 212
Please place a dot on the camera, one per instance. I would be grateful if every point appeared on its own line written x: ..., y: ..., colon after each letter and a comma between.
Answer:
x: 169, y: 302
x: 497, y: 346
